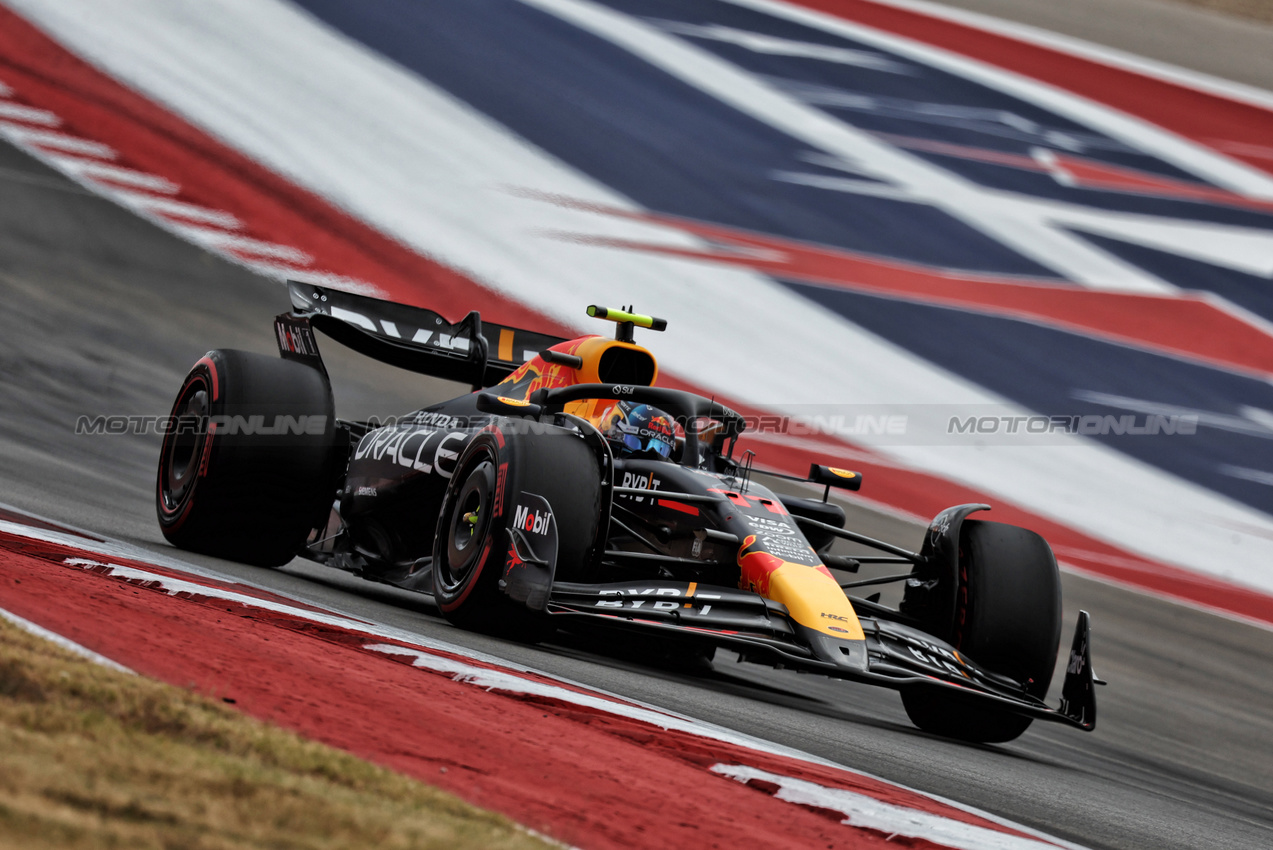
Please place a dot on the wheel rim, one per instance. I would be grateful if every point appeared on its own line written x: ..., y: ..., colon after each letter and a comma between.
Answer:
x: 184, y: 446
x: 468, y: 522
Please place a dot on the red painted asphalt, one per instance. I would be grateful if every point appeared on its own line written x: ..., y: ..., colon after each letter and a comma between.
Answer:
x: 586, y: 777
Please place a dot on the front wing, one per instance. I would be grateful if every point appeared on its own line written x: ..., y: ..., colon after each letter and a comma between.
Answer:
x: 895, y: 655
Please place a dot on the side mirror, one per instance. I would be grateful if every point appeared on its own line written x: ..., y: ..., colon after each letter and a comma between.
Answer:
x: 833, y: 476
x: 491, y: 403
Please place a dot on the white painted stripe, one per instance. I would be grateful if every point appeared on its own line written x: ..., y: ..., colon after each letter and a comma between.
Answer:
x: 1259, y: 476
x: 284, y: 273
x: 78, y: 167
x: 18, y: 112
x: 1190, y: 156
x: 498, y: 680
x: 220, y: 240
x: 55, y: 140
x: 866, y: 812
x: 177, y: 209
x: 1099, y: 53
x: 74, y: 166
x: 769, y: 45
x: 1252, y: 423
x: 64, y: 643
x: 5, y: 91
x: 1222, y: 303
x: 330, y: 100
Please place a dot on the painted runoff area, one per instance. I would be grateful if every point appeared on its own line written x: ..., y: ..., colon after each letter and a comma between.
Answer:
x: 426, y: 184
x: 587, y: 768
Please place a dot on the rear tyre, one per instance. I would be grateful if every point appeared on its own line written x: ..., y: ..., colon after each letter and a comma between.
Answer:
x: 473, y: 542
x: 246, y: 468
x: 1007, y: 619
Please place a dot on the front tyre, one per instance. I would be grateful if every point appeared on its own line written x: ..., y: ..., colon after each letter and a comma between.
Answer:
x: 473, y: 544
x: 1007, y: 620
x: 246, y: 467
x: 468, y: 549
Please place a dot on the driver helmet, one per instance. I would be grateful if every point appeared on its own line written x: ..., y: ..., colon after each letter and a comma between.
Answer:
x: 640, y: 431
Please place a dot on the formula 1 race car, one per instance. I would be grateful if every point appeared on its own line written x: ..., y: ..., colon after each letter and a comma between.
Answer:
x: 568, y: 491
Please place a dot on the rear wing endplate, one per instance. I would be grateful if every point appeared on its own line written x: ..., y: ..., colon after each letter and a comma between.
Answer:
x: 471, y: 351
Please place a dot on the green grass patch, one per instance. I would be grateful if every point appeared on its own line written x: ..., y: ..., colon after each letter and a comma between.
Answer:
x: 90, y: 757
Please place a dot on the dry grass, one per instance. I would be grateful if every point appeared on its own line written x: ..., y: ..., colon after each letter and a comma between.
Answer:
x: 93, y: 758
x: 1260, y: 10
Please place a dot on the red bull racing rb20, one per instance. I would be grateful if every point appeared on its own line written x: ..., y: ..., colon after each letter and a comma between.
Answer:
x: 569, y: 491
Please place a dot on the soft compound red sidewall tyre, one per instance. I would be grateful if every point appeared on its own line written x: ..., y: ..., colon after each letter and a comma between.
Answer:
x: 1007, y: 619
x: 472, y: 540
x: 185, y: 447
x: 467, y: 553
x: 247, y: 467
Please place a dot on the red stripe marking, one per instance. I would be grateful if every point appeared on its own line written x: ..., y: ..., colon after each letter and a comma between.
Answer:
x: 1087, y: 173
x: 645, y: 787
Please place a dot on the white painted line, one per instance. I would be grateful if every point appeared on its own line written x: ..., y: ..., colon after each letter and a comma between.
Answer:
x: 56, y: 141
x: 496, y: 680
x: 770, y: 45
x: 29, y: 114
x: 5, y: 91
x: 114, y: 173
x: 177, y: 209
x: 54, y: 637
x: 318, y: 278
x: 866, y: 812
x: 220, y: 240
x: 1099, y: 53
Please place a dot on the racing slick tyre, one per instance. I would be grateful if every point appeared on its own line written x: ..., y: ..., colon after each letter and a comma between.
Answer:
x: 545, y: 488
x: 1007, y: 620
x: 246, y: 468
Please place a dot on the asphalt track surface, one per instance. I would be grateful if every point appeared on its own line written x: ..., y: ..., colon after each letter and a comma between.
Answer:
x: 103, y: 313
